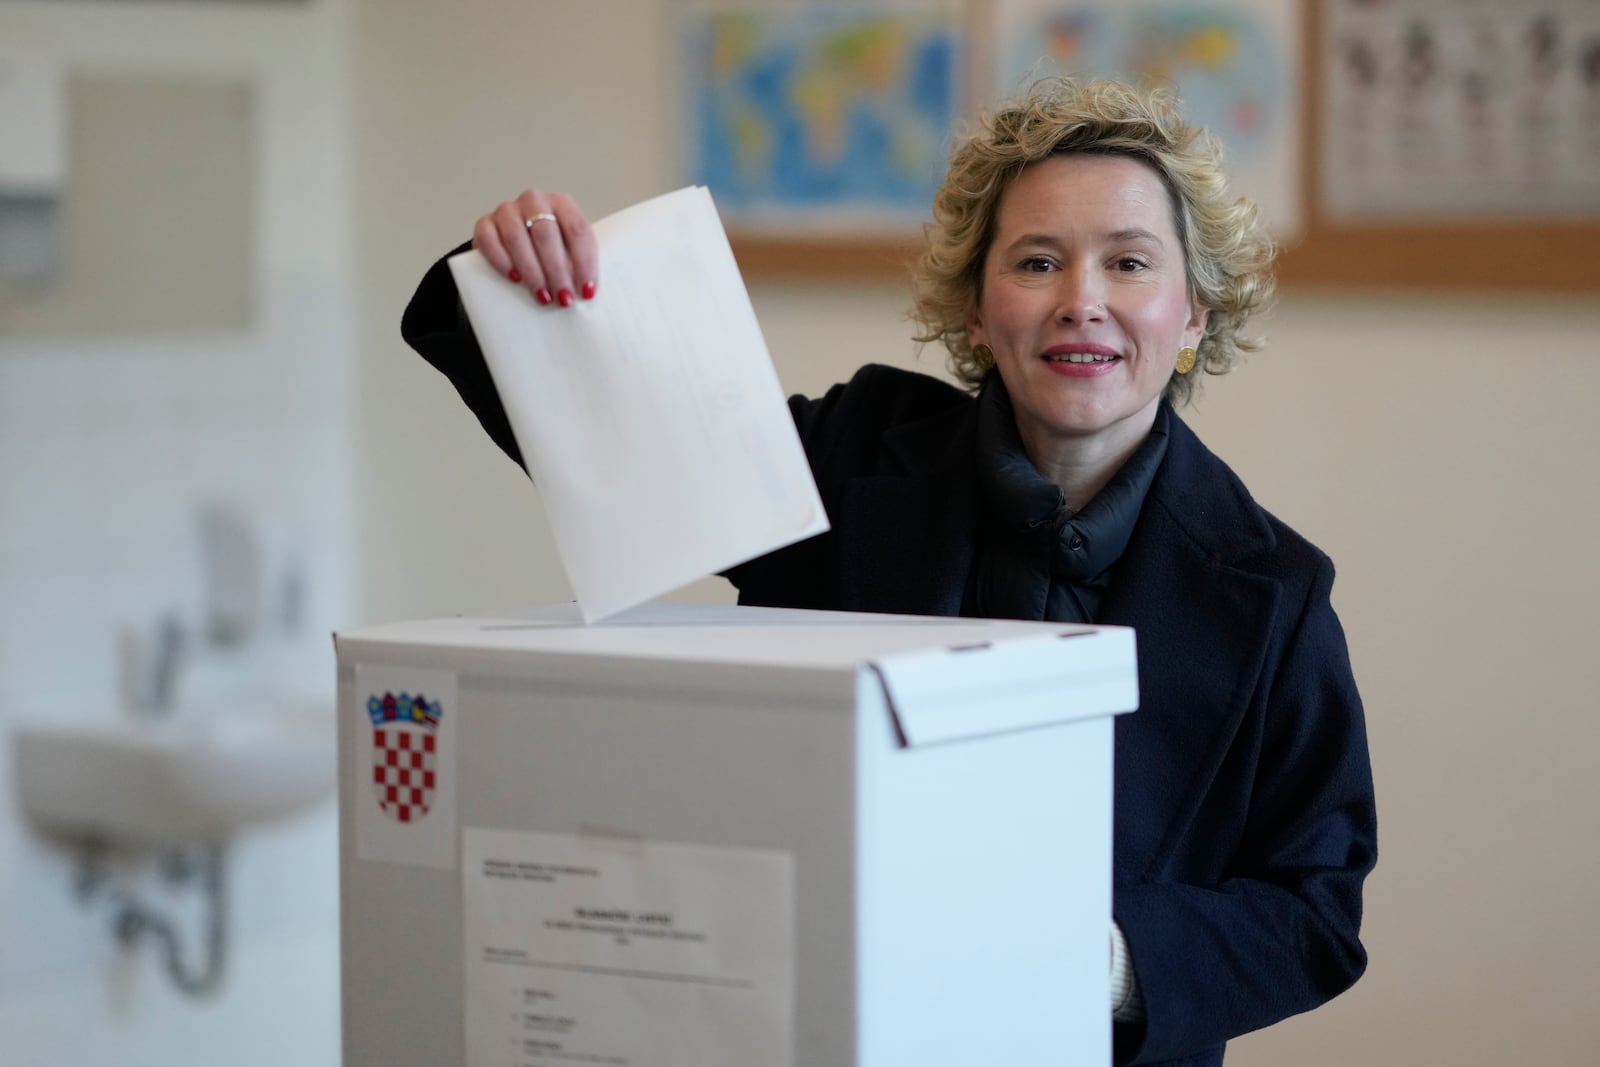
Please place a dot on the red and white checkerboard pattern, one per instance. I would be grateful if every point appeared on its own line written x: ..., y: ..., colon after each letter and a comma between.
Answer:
x: 403, y: 771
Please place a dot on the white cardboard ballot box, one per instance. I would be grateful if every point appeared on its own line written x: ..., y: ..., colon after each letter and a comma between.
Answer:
x: 700, y: 836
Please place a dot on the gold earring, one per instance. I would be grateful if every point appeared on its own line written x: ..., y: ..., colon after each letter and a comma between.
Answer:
x: 983, y: 356
x: 1185, y: 362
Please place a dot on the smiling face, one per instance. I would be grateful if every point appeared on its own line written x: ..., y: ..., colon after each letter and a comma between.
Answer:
x: 1085, y: 302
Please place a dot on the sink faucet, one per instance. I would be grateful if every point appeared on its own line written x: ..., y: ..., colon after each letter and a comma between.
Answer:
x: 149, y: 682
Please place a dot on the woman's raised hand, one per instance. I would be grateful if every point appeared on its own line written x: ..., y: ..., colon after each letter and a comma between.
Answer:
x: 543, y: 242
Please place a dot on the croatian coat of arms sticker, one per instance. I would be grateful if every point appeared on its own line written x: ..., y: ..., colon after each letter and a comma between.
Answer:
x: 401, y: 763
x: 404, y: 753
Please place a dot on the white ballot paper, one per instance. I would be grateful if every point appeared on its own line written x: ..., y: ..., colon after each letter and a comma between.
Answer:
x: 584, y: 950
x: 649, y: 417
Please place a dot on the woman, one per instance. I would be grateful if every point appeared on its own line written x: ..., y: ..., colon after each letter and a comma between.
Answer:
x: 1084, y: 264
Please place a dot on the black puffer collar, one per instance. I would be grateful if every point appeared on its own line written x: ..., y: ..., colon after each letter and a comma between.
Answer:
x: 1019, y: 502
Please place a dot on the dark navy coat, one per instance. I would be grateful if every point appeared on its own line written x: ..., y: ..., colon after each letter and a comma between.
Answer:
x: 1244, y: 813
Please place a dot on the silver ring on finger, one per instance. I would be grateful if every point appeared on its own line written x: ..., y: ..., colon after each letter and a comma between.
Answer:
x: 543, y: 216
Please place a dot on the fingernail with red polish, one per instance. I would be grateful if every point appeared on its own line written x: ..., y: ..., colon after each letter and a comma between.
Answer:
x: 565, y: 296
x: 514, y: 276
x: 543, y: 295
x: 588, y: 290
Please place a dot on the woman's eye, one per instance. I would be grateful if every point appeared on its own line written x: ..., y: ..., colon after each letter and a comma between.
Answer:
x: 1130, y: 265
x: 1038, y: 264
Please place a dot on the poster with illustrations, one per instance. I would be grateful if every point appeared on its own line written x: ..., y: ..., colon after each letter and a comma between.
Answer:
x: 1454, y: 110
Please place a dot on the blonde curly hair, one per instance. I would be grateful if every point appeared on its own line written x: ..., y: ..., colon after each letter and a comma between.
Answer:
x: 1228, y: 254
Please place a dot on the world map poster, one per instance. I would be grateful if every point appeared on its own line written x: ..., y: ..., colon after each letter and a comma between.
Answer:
x: 822, y: 120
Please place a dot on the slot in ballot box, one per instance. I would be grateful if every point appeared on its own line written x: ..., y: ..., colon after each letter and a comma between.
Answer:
x: 705, y: 836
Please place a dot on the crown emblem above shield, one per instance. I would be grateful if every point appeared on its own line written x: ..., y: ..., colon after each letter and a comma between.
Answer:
x: 404, y: 749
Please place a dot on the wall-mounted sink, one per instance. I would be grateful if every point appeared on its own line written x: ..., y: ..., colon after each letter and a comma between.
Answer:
x: 143, y: 783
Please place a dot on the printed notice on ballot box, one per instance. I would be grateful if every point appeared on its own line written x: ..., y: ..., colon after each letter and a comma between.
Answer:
x: 626, y: 953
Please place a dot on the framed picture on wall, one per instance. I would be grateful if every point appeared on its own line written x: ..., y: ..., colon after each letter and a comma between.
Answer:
x: 1451, y: 145
x: 813, y: 121
x: 1460, y: 110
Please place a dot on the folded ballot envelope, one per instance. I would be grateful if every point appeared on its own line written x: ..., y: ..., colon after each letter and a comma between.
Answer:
x: 650, y: 418
x: 715, y: 836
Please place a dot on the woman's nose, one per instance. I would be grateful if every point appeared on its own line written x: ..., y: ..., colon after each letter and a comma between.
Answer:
x: 1080, y: 298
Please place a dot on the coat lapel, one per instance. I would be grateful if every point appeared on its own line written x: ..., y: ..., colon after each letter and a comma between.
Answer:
x: 1203, y: 625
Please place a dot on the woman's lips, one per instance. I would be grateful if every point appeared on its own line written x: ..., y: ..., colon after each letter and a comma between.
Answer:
x: 1080, y: 352
x: 1081, y: 360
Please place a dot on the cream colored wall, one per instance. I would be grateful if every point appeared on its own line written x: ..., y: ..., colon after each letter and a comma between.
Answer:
x: 1441, y: 451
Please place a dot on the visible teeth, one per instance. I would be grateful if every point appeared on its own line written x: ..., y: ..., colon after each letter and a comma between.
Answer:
x: 1081, y: 357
